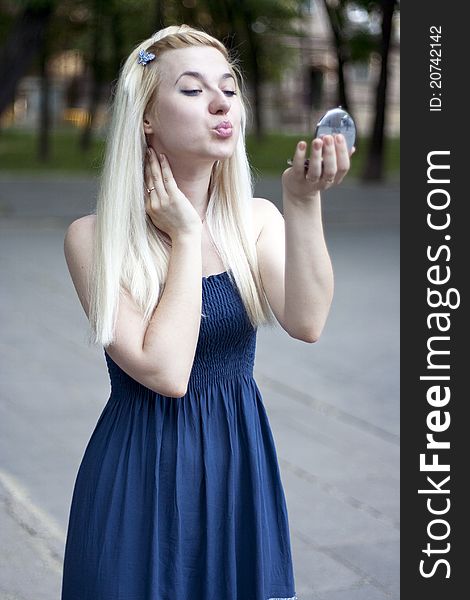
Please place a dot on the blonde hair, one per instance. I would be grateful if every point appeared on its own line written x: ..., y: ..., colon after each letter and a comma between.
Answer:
x: 129, y: 251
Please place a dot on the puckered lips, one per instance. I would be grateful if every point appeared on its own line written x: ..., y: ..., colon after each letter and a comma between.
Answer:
x: 224, y: 129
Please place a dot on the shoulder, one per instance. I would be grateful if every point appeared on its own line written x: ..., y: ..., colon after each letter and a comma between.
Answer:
x: 79, y: 234
x: 265, y: 214
x: 265, y: 210
x: 78, y: 250
x: 84, y: 226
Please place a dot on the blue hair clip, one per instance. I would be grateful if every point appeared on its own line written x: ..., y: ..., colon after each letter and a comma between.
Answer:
x: 145, y: 57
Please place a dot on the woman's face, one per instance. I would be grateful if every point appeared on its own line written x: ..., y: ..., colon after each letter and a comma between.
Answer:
x: 197, y: 111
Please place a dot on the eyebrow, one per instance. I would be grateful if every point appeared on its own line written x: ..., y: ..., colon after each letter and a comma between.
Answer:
x: 201, y: 77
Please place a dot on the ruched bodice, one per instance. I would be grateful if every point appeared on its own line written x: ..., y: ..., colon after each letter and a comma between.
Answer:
x: 227, y: 341
x: 181, y: 498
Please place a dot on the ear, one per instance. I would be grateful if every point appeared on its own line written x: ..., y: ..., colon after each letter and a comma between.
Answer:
x: 148, y: 129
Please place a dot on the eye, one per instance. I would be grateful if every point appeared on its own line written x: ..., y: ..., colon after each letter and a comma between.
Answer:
x: 191, y: 92
x: 230, y: 93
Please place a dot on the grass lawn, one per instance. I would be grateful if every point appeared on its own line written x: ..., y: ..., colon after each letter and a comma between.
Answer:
x: 18, y: 152
x: 270, y: 155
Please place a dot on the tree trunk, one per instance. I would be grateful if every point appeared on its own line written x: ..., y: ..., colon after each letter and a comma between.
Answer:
x: 44, y: 108
x: 21, y: 46
x: 254, y: 52
x: 257, y: 96
x: 159, y: 15
x: 228, y: 18
x: 96, y: 75
x: 117, y: 39
x: 374, y: 167
x: 336, y: 27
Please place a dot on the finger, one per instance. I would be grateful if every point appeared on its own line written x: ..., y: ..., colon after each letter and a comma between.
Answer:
x: 167, y: 175
x: 329, y: 160
x: 148, y: 199
x: 298, y: 162
x: 153, y: 198
x: 148, y: 182
x: 156, y: 179
x: 315, y: 163
x: 342, y: 157
x: 147, y: 203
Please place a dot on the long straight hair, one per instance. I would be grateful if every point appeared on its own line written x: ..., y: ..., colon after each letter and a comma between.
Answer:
x: 129, y: 252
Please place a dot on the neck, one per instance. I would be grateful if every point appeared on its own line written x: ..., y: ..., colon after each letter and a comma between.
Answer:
x: 193, y: 181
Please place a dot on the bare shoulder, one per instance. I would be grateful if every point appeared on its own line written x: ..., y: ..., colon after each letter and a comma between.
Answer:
x: 78, y: 250
x: 79, y: 236
x: 81, y: 227
x: 265, y: 212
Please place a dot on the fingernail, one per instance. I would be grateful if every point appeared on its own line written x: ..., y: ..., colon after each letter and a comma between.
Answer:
x: 339, y: 138
x: 162, y: 157
x: 328, y: 141
x: 302, y: 145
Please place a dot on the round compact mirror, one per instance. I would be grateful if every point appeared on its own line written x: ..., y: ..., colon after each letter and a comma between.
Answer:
x: 337, y: 120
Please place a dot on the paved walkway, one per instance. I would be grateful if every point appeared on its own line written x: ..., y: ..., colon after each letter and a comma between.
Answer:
x: 333, y: 405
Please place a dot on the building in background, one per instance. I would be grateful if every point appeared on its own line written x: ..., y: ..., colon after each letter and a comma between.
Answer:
x: 309, y: 88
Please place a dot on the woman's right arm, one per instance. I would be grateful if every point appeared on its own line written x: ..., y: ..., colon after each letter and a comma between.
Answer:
x: 158, y: 355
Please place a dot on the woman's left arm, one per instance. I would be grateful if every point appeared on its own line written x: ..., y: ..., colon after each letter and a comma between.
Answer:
x: 294, y: 261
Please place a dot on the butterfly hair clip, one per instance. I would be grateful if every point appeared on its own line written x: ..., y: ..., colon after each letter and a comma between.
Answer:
x: 145, y: 57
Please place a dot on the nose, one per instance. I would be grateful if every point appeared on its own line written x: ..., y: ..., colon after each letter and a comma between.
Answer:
x: 220, y: 103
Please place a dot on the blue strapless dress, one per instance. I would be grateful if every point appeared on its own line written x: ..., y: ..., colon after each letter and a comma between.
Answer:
x: 181, y: 498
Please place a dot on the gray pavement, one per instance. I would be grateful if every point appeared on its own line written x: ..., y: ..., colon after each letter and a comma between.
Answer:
x: 333, y: 405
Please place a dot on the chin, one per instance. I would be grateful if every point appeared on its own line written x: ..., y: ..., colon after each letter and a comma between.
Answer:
x: 224, y: 153
x: 225, y: 148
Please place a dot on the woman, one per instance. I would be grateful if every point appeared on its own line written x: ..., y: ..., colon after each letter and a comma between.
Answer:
x: 178, y: 495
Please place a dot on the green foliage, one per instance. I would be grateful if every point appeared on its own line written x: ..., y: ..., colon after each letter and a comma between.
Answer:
x: 253, y: 29
x: 238, y: 23
x: 35, y: 5
x: 6, y: 23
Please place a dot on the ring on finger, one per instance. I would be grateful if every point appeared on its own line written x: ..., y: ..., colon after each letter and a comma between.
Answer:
x: 290, y: 162
x: 150, y: 189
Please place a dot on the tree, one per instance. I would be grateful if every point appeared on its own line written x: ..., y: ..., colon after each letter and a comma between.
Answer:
x: 257, y: 26
x: 22, y: 45
x: 96, y: 69
x: 252, y: 29
x: 255, y: 51
x: 337, y: 18
x: 374, y: 166
x: 159, y: 15
x: 44, y: 109
x: 356, y: 43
